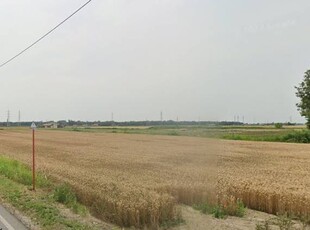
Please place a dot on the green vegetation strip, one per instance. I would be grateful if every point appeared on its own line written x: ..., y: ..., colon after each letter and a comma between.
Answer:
x: 219, y: 211
x: 290, y: 137
x: 277, y: 133
x: 41, y: 206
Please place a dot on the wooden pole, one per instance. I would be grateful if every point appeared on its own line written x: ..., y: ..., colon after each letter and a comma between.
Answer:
x: 33, y: 161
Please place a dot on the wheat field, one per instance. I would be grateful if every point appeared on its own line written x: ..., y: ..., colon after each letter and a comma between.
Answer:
x: 130, y: 180
x: 269, y: 177
x: 138, y: 180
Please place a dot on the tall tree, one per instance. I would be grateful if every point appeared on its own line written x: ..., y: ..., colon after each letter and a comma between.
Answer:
x: 303, y: 92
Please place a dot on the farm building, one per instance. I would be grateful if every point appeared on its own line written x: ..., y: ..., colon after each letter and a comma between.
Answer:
x: 52, y: 125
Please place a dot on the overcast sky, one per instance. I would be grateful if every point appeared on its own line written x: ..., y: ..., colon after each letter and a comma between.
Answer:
x: 207, y: 59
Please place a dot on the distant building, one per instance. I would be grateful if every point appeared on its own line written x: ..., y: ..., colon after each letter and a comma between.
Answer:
x: 61, y: 124
x: 50, y: 125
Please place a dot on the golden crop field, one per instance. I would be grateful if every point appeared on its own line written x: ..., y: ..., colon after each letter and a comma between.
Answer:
x: 137, y: 180
x: 130, y: 180
x: 270, y: 177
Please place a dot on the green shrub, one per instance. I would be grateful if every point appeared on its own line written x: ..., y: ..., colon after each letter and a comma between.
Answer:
x: 297, y: 137
x: 219, y: 211
x: 278, y: 125
x: 64, y: 194
x: 239, y: 209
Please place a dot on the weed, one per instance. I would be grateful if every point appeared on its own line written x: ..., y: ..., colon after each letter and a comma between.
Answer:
x: 172, y: 223
x: 220, y: 211
x: 263, y: 226
x: 237, y: 209
x: 64, y: 194
x: 284, y: 222
x: 205, y: 208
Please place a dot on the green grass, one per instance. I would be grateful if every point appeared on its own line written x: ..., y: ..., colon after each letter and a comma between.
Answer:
x: 64, y: 194
x: 290, y: 136
x: 40, y: 205
x: 246, y: 133
x: 20, y: 173
x: 297, y: 137
x: 195, y: 131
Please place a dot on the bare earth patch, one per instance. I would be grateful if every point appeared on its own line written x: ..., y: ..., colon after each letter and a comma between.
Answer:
x: 198, y: 221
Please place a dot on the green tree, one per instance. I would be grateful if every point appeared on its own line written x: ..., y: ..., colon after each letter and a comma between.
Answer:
x: 278, y: 125
x: 303, y: 92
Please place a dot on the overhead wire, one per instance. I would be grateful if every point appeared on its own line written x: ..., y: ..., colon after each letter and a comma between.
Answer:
x: 45, y: 35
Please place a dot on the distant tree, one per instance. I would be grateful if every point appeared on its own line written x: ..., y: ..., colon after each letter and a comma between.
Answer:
x: 303, y: 92
x: 278, y: 125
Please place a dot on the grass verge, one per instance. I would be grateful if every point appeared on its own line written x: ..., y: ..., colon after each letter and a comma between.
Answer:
x: 64, y: 194
x: 42, y: 206
x: 20, y: 173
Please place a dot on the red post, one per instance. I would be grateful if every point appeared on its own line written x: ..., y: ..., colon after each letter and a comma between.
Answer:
x: 33, y: 162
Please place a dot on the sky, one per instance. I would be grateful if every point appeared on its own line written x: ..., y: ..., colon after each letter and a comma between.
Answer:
x: 190, y: 59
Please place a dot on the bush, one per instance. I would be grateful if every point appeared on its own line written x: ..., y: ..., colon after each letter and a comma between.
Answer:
x: 278, y: 125
x: 297, y: 137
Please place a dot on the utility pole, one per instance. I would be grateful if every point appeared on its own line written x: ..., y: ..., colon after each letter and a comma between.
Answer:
x: 8, y: 119
x: 33, y: 127
x: 19, y: 118
x: 161, y: 116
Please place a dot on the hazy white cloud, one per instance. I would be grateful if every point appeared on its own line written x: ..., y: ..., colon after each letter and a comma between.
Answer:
x: 208, y: 59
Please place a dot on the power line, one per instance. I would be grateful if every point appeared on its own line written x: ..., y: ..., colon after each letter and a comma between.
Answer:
x: 45, y: 35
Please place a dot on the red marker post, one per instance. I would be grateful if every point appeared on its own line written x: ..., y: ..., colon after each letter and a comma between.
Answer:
x: 33, y: 127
